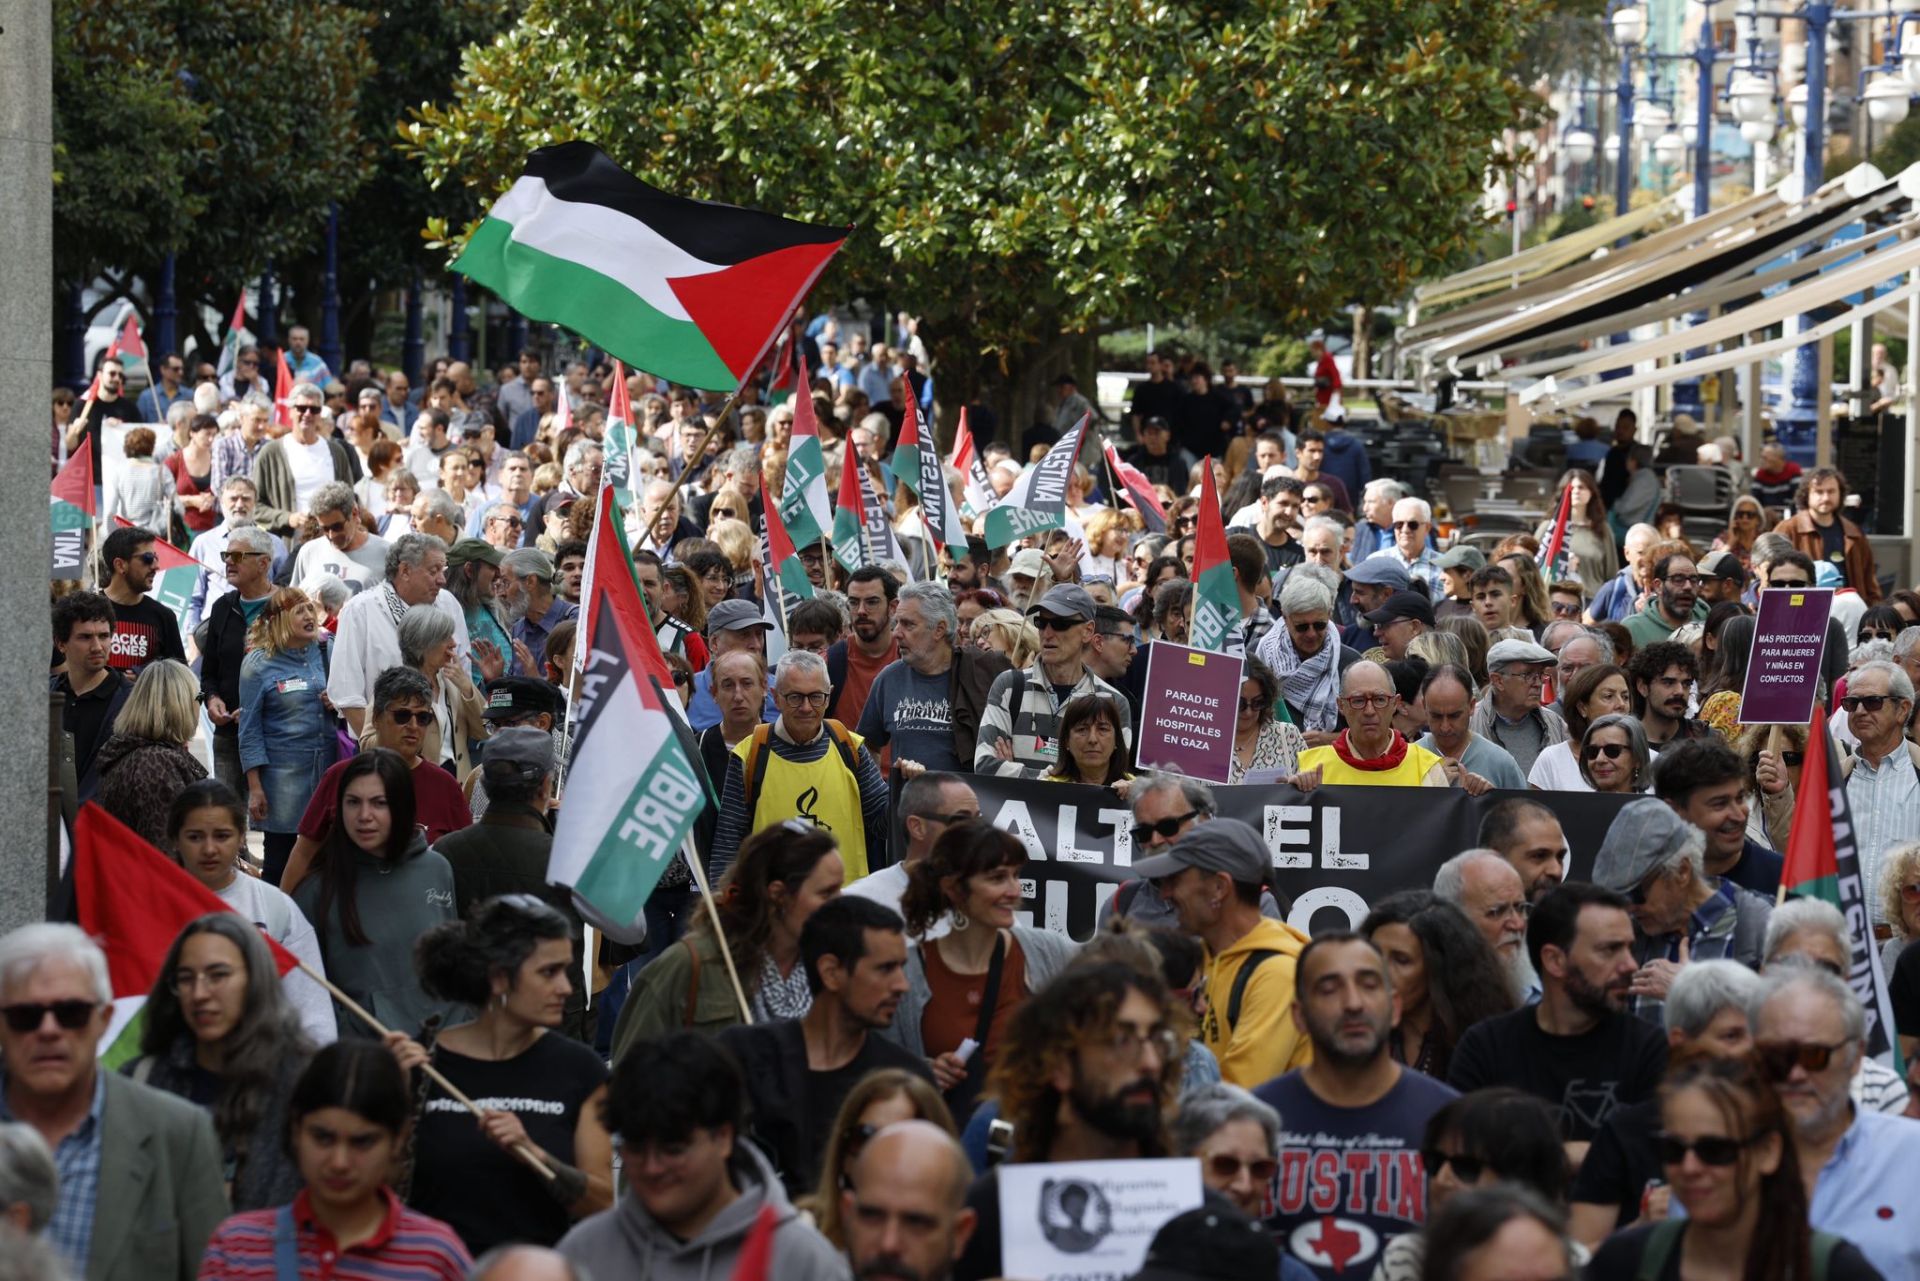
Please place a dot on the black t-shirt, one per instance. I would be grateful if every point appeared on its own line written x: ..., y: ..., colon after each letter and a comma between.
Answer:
x: 86, y: 718
x: 1622, y: 1160
x: 1203, y: 422
x: 96, y: 418
x: 1903, y: 989
x: 1155, y: 400
x: 460, y: 1176
x: 1619, y: 1060
x: 1833, y: 542
x: 143, y: 632
x: 1285, y: 556
x: 1618, y: 1259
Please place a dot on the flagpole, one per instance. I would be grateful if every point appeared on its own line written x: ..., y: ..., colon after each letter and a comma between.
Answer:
x: 692, y: 855
x: 525, y: 1151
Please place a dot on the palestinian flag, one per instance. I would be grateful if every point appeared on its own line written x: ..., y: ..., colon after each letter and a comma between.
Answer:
x: 783, y: 558
x: 129, y: 347
x: 966, y: 460
x: 632, y: 793
x: 917, y: 465
x: 563, y: 410
x: 619, y: 438
x: 230, y: 347
x: 907, y: 450
x: 1824, y: 863
x: 695, y: 291
x: 72, y: 509
x: 609, y: 576
x: 882, y: 541
x: 849, y: 514
x: 1552, y: 557
x: 173, y: 578
x: 1137, y: 490
x: 282, y: 390
x: 1216, y: 598
x: 803, y: 490
x: 134, y: 901
x: 1038, y: 500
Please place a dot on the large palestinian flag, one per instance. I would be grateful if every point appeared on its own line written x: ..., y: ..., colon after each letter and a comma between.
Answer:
x: 692, y: 290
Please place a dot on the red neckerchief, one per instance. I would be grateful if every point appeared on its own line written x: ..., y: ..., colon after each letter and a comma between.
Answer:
x: 1395, y: 753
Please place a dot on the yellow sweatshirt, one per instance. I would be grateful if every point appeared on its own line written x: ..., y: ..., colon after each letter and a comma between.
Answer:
x: 1264, y: 1043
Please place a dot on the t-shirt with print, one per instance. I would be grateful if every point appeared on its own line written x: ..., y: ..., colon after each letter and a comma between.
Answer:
x: 910, y: 712
x: 1619, y: 1060
x: 1350, y: 1179
x: 363, y: 567
x: 143, y: 632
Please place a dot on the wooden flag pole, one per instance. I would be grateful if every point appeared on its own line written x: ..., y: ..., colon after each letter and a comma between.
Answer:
x: 692, y: 855
x: 525, y: 1151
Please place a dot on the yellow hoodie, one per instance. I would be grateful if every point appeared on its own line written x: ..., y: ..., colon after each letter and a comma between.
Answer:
x: 1264, y: 1043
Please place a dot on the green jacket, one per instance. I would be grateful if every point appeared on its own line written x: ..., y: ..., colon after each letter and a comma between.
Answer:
x: 273, y: 477
x: 1650, y: 625
x: 162, y: 1186
x: 685, y: 986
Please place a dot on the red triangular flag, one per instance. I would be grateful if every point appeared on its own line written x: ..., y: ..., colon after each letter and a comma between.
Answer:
x: 1812, y: 865
x: 756, y: 1255
x: 282, y: 390
x: 74, y: 484
x: 171, y: 557
x: 134, y: 900
x: 129, y: 343
x: 1137, y: 490
x: 612, y: 578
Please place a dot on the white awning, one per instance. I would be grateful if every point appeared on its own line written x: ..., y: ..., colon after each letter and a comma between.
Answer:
x: 1550, y: 255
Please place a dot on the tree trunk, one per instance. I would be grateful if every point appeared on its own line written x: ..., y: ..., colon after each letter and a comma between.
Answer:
x: 1362, y: 342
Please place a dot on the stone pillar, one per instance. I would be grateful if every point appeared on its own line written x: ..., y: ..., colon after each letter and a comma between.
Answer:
x: 26, y: 377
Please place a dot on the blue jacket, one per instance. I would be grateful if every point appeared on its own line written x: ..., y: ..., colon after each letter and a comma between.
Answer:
x: 1347, y: 460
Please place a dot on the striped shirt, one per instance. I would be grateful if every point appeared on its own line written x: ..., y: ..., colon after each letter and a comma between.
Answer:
x: 1885, y: 802
x: 408, y: 1246
x: 1021, y: 708
x: 735, y: 823
x: 77, y: 1161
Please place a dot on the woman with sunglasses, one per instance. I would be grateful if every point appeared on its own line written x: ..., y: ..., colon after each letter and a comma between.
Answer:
x: 1596, y: 691
x: 219, y: 1031
x: 374, y: 888
x: 286, y: 724
x: 881, y: 1099
x: 1727, y: 1146
x: 1264, y: 735
x: 1745, y: 522
x: 1614, y: 756
x: 1092, y: 732
x: 1588, y: 537
x: 509, y: 963
x: 1773, y: 756
x: 1880, y: 623
x: 1236, y: 1139
x: 1444, y: 973
x: 1899, y: 899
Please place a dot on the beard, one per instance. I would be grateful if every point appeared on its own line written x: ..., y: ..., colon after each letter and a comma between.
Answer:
x: 1520, y: 975
x: 1590, y: 997
x: 1327, y: 1047
x: 1115, y: 1116
x: 515, y: 609
x: 891, y: 1267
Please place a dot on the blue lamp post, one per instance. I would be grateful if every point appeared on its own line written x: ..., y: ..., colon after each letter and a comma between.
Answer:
x: 165, y: 314
x: 460, y: 337
x: 413, y: 348
x: 330, y: 295
x: 1704, y: 54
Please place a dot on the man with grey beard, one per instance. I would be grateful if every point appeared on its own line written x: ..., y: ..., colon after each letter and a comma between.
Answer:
x: 1484, y: 885
x: 527, y: 594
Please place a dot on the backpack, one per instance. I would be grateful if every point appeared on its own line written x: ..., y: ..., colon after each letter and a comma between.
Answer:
x: 1255, y: 959
x: 1665, y: 1237
x: 754, y: 768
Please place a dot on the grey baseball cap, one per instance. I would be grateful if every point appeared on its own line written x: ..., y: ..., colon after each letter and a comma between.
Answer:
x: 1645, y: 834
x: 1464, y: 556
x: 1518, y: 651
x: 1067, y: 600
x: 1380, y: 571
x: 735, y: 616
x: 1220, y: 845
x: 520, y: 752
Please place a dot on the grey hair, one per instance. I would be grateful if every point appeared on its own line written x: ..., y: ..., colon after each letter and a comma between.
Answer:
x: 484, y: 1266
x: 1323, y: 522
x: 240, y: 482
x: 1873, y: 651
x: 1899, y: 684
x: 1312, y: 571
x: 24, y: 951
x: 1546, y: 636
x: 1450, y: 882
x: 1906, y: 641
x: 1304, y: 595
x: 439, y: 504
x: 1804, y: 916
x: 580, y: 453
x: 1703, y: 989
x: 330, y: 590
x: 1784, y: 977
x: 1426, y: 508
x: 524, y: 561
x: 1691, y: 854
x: 1636, y: 746
x: 27, y: 1174
x: 743, y: 458
x: 334, y: 496
x: 802, y: 662
x: 421, y: 628
x: 1385, y: 486
x: 936, y: 602
x: 1767, y: 548
x: 501, y: 508
x: 250, y: 538
x: 305, y: 392
x: 410, y: 550
x: 400, y: 685
x: 1197, y: 795
x: 1608, y: 653
x: 179, y: 411
x: 1203, y: 1112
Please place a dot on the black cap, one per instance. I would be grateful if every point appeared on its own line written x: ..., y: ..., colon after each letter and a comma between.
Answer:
x: 511, y: 697
x: 1214, y: 1243
x: 1403, y: 605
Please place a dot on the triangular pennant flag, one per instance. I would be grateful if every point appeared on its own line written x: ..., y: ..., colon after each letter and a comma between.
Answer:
x: 619, y: 439
x: 1137, y: 490
x: 74, y: 484
x: 1552, y: 557
x: 1823, y: 862
x: 1216, y: 598
x: 230, y: 345
x: 282, y: 390
x: 906, y: 451
x: 129, y: 346
x: 849, y: 514
x: 784, y: 558
x: 1038, y: 500
x: 563, y: 411
x: 71, y: 509
x: 610, y: 579
x: 966, y: 460
x: 882, y: 542
x: 803, y: 491
x: 756, y: 1255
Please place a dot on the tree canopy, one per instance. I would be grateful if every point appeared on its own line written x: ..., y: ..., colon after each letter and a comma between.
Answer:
x: 1028, y: 170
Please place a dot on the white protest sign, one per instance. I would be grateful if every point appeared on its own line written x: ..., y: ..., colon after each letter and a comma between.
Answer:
x: 1088, y: 1220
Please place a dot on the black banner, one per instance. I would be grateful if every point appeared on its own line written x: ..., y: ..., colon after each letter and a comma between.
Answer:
x: 1336, y: 850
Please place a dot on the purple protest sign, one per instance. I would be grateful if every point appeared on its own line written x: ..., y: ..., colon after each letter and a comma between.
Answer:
x: 1783, y: 667
x: 1186, y: 723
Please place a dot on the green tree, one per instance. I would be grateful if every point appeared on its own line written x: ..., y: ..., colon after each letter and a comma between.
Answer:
x: 1027, y: 174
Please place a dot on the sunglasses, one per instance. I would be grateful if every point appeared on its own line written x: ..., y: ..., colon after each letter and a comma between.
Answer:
x: 1409, y: 524
x: 723, y: 511
x: 28, y: 1016
x: 1320, y: 626
x: 1166, y: 827
x: 1779, y: 1058
x: 1612, y: 751
x: 1254, y: 704
x: 1792, y: 759
x: 1185, y: 522
x: 402, y: 716
x: 153, y: 558
x: 304, y: 410
x: 234, y: 558
x: 1712, y: 1149
x: 1866, y: 702
x: 1789, y: 582
x: 1048, y: 623
x: 1466, y: 1168
x: 1227, y: 1168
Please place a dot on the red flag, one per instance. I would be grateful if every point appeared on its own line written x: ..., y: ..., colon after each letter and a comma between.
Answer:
x: 134, y: 900
x: 1550, y: 553
x: 129, y: 344
x: 612, y: 577
x: 756, y: 1255
x: 171, y: 557
x: 1138, y: 490
x: 1812, y: 865
x: 780, y: 547
x: 74, y: 484
x: 282, y: 390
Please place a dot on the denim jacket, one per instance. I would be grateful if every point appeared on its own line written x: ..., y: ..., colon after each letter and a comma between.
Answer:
x: 282, y: 720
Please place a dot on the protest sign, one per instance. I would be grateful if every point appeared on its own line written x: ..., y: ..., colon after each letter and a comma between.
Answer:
x: 1186, y: 725
x: 1088, y: 1220
x: 1783, y: 667
x: 1336, y: 850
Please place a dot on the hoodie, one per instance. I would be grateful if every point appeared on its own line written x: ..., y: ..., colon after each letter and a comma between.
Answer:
x: 1264, y: 1043
x: 626, y: 1241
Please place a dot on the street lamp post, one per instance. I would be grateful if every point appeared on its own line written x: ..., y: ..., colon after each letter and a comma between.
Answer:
x: 165, y: 314
x: 413, y: 348
x: 459, y: 336
x: 330, y: 295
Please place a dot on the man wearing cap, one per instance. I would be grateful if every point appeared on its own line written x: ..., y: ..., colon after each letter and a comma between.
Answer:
x: 1412, y: 522
x: 731, y: 625
x: 1676, y: 600
x: 367, y: 640
x: 473, y: 567
x: 1160, y: 460
x: 1475, y: 762
x: 857, y: 658
x: 1370, y: 751
x: 1212, y: 877
x: 1020, y: 725
x: 1722, y: 578
x: 1510, y: 715
x: 526, y: 592
x: 1458, y: 565
x: 1069, y: 406
x: 1404, y: 616
x: 1680, y: 913
x: 1368, y: 585
x: 505, y: 852
x: 516, y: 702
x: 1023, y: 576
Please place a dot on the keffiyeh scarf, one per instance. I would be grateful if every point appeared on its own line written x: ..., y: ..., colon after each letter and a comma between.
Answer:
x: 1311, y: 684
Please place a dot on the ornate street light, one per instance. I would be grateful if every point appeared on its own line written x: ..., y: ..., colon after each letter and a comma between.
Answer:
x: 1629, y: 23
x: 1886, y: 98
x: 1578, y: 146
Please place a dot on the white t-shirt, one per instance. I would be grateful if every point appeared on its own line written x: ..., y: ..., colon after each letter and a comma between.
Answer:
x: 312, y: 467
x: 361, y: 568
x: 284, y: 923
x: 887, y: 887
x: 1556, y: 770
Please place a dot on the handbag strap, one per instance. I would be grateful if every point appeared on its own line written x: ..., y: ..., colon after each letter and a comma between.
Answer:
x: 977, y: 1065
x: 286, y: 1246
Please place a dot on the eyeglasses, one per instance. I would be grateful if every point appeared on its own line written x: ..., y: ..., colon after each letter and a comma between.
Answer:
x: 1685, y: 580
x: 27, y: 1016
x: 1779, y: 1058
x: 1166, y: 827
x: 1319, y: 625
x: 1466, y: 1168
x: 1501, y: 911
x: 1866, y: 702
x: 1227, y: 1168
x: 1254, y: 704
x: 184, y: 982
x: 1128, y: 639
x: 153, y: 558
x: 1361, y: 702
x: 1048, y: 623
x: 1529, y: 676
x: 1712, y: 1149
x: 797, y: 699
x: 304, y: 410
x: 1409, y: 524
x: 515, y: 521
x: 234, y: 558
x: 1127, y: 1043
x: 1611, y: 751
x: 406, y: 716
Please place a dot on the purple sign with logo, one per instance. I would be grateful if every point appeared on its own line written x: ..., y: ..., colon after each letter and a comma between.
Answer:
x: 1783, y: 667
x: 1186, y: 724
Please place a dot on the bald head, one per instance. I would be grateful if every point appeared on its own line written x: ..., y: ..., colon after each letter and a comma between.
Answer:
x: 1366, y: 677
x: 906, y: 1217
x: 1484, y: 885
x: 523, y: 1263
x: 917, y: 1149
